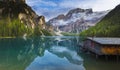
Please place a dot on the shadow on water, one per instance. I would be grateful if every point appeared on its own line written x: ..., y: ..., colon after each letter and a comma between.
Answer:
x: 100, y: 63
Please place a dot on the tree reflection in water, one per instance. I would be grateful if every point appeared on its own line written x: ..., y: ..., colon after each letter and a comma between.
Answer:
x: 52, y: 52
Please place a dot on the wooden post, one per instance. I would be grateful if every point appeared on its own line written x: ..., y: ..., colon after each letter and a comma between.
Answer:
x: 106, y: 57
x: 117, y: 57
x: 96, y: 56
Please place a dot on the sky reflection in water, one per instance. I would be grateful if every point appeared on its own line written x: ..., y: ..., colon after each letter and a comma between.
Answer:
x: 58, y: 57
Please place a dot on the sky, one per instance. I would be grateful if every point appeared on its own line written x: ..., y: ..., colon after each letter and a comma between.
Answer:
x: 52, y: 8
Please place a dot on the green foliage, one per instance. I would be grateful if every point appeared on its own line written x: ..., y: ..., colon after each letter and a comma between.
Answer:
x: 109, y: 26
x: 10, y: 25
x: 15, y: 28
x: 12, y: 28
x: 46, y: 33
x: 37, y: 31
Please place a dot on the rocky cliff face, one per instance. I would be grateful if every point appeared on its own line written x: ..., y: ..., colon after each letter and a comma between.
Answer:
x: 18, y: 9
x: 77, y: 20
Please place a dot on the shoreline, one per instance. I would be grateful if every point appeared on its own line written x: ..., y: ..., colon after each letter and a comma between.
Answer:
x: 6, y: 37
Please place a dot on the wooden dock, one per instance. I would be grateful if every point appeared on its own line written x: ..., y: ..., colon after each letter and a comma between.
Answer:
x: 102, y: 46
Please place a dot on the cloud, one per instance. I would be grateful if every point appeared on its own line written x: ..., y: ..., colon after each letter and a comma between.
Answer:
x: 96, y: 5
x: 33, y: 2
x: 102, y: 5
x: 72, y: 3
x: 40, y: 3
x: 50, y: 13
x: 51, y: 8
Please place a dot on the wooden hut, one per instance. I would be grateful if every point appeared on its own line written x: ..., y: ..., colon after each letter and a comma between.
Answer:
x: 103, y: 46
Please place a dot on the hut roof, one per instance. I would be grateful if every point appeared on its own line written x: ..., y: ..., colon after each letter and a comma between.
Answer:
x: 106, y: 41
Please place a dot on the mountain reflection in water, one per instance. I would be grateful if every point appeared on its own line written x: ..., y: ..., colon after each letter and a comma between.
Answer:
x: 52, y: 62
x: 40, y: 53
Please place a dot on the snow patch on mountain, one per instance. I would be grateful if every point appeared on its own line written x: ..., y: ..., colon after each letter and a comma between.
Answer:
x: 77, y: 20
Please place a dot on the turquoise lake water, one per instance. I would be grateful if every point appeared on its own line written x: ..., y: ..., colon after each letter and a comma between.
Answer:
x: 49, y: 53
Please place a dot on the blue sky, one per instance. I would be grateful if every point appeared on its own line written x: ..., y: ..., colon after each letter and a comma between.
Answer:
x: 52, y: 8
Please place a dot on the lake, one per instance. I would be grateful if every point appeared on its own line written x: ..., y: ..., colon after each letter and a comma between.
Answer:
x: 49, y: 53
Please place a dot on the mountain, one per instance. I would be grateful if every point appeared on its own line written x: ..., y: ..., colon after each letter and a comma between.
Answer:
x: 109, y: 26
x: 77, y: 20
x: 18, y: 19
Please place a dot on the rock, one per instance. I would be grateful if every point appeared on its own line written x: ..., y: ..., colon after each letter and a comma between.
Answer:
x: 77, y: 20
x: 41, y: 21
x: 19, y: 10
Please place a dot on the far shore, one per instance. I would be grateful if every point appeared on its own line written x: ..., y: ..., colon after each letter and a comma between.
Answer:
x: 7, y: 37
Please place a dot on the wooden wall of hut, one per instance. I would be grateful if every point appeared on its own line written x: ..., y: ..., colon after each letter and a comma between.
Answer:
x: 110, y: 50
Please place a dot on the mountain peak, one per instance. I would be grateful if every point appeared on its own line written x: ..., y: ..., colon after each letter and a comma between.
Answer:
x: 89, y: 11
x: 62, y: 16
x: 77, y: 20
x: 78, y: 10
x: 117, y: 7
